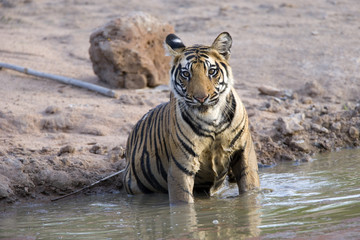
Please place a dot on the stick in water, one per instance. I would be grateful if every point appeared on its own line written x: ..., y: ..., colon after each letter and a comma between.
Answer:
x: 89, y: 186
x: 66, y: 80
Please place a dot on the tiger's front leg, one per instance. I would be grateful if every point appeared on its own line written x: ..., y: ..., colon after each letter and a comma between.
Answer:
x: 180, y: 184
x: 244, y: 167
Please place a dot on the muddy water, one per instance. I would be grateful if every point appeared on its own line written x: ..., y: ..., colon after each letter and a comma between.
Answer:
x: 304, y: 200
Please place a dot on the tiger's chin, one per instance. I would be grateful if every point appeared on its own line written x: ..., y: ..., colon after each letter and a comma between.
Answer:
x: 201, y: 108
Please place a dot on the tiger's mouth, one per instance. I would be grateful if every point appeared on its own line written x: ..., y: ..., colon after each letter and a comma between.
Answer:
x: 202, y: 106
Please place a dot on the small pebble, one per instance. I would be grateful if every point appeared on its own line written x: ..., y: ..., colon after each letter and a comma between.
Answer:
x: 66, y: 149
x: 52, y: 110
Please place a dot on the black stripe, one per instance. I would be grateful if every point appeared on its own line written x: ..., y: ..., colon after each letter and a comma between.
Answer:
x: 142, y: 142
x: 164, y: 143
x: 228, y: 116
x: 186, y: 147
x: 149, y: 137
x: 158, y: 129
x: 222, y: 72
x: 205, y: 66
x: 161, y: 126
x: 151, y: 119
x: 241, y: 122
x: 183, y: 169
x: 172, y: 70
x: 182, y: 133
x: 183, y: 189
x: 141, y: 136
x: 177, y: 90
x: 190, y: 57
x: 236, y: 137
x: 226, y: 69
x: 217, y: 65
x: 150, y: 176
x: 141, y: 186
x: 195, y: 127
x: 161, y: 169
x: 134, y: 133
x: 128, y: 176
x: 224, y: 84
x: 177, y: 71
x: 188, y: 52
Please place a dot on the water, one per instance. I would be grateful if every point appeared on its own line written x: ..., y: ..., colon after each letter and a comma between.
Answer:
x: 303, y: 200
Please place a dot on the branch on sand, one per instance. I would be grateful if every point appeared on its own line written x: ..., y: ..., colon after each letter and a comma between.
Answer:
x: 105, y: 91
x: 89, y: 186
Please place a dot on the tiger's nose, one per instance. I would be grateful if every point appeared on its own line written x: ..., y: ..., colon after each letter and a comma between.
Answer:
x: 201, y: 98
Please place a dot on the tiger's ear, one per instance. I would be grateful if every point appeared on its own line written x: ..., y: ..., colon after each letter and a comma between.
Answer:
x: 174, y: 45
x: 223, y: 44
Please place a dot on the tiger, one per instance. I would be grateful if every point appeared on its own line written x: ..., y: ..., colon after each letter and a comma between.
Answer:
x: 190, y: 144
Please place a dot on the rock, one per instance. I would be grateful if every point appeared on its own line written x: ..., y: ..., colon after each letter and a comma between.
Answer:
x: 336, y: 126
x: 290, y: 125
x: 324, y: 144
x: 95, y: 130
x: 317, y: 120
x: 318, y: 128
x: 271, y: 106
x: 326, y: 121
x: 306, y: 100
x: 128, y: 52
x: 268, y: 90
x: 287, y: 157
x: 5, y: 190
x: 60, y: 180
x: 354, y: 132
x: 275, y: 92
x: 66, y: 149
x: 52, y: 110
x: 96, y: 149
x: 301, y: 145
x: 116, y: 154
x: 57, y: 123
x: 131, y: 100
x: 312, y: 89
x: 306, y: 158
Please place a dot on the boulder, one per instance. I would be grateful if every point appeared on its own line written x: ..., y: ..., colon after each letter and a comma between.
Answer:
x: 354, y: 132
x: 312, y: 89
x: 128, y: 52
x: 290, y: 125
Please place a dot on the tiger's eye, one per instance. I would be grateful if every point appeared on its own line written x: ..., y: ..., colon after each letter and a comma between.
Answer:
x: 185, y: 74
x: 212, y: 71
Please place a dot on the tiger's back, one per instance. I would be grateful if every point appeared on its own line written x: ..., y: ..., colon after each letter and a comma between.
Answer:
x: 192, y: 142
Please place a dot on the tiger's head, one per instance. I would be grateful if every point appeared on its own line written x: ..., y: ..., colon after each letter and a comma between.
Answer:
x: 200, y: 76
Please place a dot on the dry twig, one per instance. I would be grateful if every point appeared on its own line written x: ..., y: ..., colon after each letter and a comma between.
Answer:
x: 66, y: 80
x: 89, y: 186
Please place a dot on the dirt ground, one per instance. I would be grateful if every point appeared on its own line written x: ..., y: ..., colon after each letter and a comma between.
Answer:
x: 296, y: 66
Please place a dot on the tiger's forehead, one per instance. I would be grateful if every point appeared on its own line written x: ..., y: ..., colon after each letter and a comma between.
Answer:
x: 198, y: 53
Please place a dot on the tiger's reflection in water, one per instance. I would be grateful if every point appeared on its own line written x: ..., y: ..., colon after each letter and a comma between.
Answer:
x: 230, y: 218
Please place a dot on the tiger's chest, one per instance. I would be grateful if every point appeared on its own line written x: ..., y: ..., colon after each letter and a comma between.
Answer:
x: 214, y: 163
x: 211, y: 141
